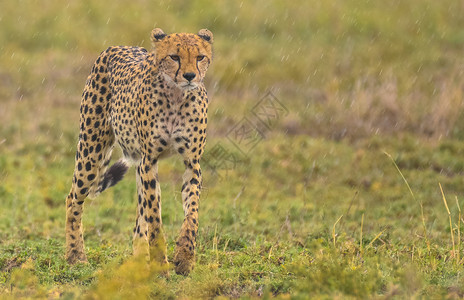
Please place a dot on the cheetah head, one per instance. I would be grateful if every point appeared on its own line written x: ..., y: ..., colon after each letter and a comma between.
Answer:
x: 183, y: 58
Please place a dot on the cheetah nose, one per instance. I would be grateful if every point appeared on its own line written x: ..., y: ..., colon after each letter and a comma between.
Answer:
x: 189, y: 76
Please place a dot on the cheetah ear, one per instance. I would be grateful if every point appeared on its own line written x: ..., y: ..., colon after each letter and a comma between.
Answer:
x: 206, y: 35
x: 157, y: 35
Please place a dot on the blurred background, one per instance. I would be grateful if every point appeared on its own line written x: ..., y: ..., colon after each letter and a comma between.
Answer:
x: 352, y: 79
x: 345, y: 69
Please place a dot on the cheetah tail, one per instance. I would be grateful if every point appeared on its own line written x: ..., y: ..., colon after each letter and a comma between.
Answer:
x: 114, y: 174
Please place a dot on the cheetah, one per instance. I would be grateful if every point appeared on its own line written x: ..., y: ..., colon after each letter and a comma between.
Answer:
x: 152, y: 104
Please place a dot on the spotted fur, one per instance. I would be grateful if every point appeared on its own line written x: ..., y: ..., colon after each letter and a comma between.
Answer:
x: 152, y: 104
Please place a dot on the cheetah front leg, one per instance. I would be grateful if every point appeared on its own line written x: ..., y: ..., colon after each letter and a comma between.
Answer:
x: 149, y: 238
x: 184, y: 259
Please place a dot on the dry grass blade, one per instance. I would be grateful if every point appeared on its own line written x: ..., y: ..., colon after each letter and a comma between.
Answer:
x: 459, y: 231
x: 449, y: 216
x: 376, y: 237
x: 215, y: 244
x: 414, y: 197
x: 333, y: 230
x: 361, y: 235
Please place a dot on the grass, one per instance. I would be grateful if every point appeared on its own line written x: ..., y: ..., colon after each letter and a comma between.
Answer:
x: 316, y: 209
x: 420, y: 201
x: 280, y: 236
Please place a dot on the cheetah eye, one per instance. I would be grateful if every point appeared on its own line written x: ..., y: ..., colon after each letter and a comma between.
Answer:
x: 174, y: 57
x: 200, y: 57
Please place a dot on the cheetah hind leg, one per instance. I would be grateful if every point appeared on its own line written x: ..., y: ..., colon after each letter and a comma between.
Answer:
x: 75, y: 202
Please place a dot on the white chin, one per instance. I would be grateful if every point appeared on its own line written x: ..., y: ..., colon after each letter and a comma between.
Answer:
x: 182, y: 85
x: 188, y: 87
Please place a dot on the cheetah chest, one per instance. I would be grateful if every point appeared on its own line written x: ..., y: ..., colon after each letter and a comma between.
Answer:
x: 172, y: 130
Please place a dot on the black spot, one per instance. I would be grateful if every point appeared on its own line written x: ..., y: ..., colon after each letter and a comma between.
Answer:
x: 91, y: 177
x: 80, y: 183
x: 98, y: 109
x: 153, y: 183
x: 88, y: 166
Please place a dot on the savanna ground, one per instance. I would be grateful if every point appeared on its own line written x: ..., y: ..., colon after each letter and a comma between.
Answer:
x: 372, y: 90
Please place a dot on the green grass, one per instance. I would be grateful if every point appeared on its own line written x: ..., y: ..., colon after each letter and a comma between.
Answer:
x: 268, y: 229
x: 316, y: 210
